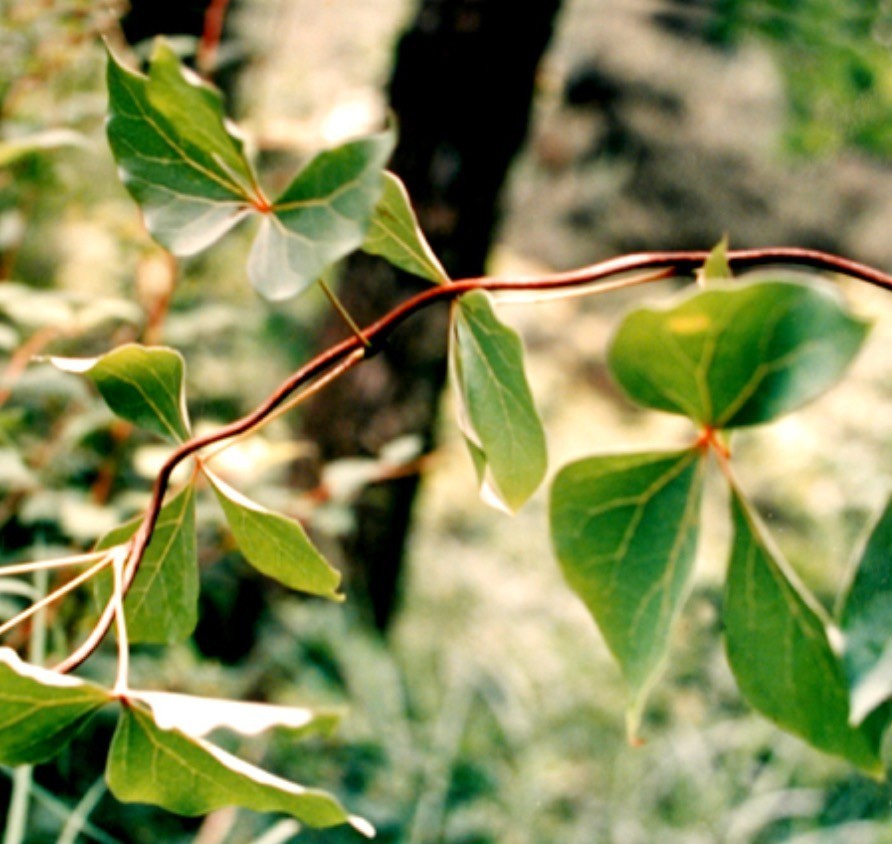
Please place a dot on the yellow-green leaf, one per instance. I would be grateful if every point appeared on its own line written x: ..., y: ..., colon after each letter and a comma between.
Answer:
x: 276, y: 545
x: 394, y: 234
x: 141, y: 384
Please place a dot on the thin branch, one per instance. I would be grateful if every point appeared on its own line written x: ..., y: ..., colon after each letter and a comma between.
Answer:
x: 55, y: 563
x: 343, y: 313
x: 600, y: 277
x: 300, y: 397
x: 54, y: 596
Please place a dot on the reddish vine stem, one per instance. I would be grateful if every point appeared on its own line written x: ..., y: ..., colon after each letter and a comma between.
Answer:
x: 661, y: 264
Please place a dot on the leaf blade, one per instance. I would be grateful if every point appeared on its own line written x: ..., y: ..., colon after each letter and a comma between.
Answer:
x: 780, y: 654
x: 276, y: 545
x: 143, y: 385
x: 624, y: 528
x: 738, y: 354
x: 394, y: 234
x: 40, y: 710
x: 178, y: 159
x: 496, y: 411
x: 866, y: 622
x: 321, y: 217
x: 192, y: 777
x: 161, y: 606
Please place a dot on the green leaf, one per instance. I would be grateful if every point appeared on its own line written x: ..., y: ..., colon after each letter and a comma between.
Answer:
x: 394, y: 234
x: 177, y: 155
x: 624, y: 528
x: 736, y: 355
x: 779, y: 650
x: 141, y: 384
x: 496, y: 411
x: 190, y: 776
x: 162, y: 604
x: 321, y: 217
x: 276, y: 545
x: 866, y: 621
x: 716, y: 266
x: 40, y: 710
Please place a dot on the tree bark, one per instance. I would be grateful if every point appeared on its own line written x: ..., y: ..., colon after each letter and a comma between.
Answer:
x: 461, y: 89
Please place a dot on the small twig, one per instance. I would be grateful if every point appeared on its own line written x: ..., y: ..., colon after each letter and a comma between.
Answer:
x: 206, y: 55
x: 300, y: 397
x: 20, y: 359
x: 117, y: 602
x: 54, y: 596
x: 343, y: 313
x: 55, y: 563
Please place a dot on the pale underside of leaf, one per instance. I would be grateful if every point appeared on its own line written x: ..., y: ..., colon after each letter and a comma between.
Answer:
x: 780, y: 653
x: 496, y: 411
x: 190, y: 776
x: 625, y: 532
x: 321, y: 217
x: 176, y: 153
x: 199, y: 716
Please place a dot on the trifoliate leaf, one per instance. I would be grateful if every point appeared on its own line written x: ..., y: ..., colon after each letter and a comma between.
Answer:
x: 625, y: 531
x: 276, y: 545
x: 496, y: 411
x: 739, y: 354
x: 162, y: 603
x: 141, y: 384
x: 394, y: 234
x: 780, y: 653
x: 40, y: 710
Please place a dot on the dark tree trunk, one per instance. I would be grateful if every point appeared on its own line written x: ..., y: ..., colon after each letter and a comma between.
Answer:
x: 461, y: 89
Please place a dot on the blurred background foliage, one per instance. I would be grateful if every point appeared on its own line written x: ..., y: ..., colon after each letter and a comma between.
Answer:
x: 492, y: 712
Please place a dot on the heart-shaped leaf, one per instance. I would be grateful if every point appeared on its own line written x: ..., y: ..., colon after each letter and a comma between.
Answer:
x: 394, y: 234
x: 162, y: 603
x: 40, y: 710
x: 496, y: 411
x: 866, y: 621
x: 779, y: 651
x: 177, y: 156
x: 142, y: 384
x: 276, y: 545
x: 321, y: 217
x: 625, y: 528
x: 739, y: 354
x: 190, y: 776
